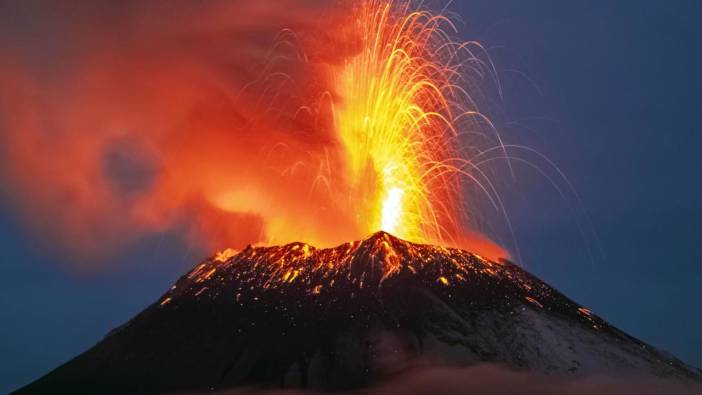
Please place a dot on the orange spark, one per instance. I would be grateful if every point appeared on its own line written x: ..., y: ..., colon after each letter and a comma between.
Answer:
x: 349, y: 124
x: 396, y: 120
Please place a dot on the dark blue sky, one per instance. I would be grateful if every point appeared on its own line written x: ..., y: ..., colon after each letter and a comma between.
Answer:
x: 610, y: 91
x: 611, y: 96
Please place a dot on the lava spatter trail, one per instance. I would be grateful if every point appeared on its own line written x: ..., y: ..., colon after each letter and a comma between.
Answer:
x: 299, y: 271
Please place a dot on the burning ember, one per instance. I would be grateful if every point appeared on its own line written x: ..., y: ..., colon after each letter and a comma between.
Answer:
x: 403, y: 107
x: 401, y: 98
x: 359, y: 264
x: 291, y: 273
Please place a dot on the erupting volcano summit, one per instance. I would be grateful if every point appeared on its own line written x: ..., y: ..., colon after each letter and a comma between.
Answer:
x: 295, y: 316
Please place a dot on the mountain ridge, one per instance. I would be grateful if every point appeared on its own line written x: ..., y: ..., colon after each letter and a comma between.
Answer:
x: 296, y: 316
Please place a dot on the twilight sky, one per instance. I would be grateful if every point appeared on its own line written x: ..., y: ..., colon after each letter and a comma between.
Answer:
x: 608, y: 91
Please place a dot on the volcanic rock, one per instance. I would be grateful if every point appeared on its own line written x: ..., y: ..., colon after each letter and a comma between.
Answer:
x: 295, y: 316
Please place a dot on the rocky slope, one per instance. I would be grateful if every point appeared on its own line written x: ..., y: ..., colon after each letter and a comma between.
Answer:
x: 345, y: 317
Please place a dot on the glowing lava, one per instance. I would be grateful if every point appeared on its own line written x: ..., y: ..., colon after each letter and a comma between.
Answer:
x: 361, y: 267
x: 396, y: 120
x: 392, y: 209
x: 328, y: 124
x: 360, y: 264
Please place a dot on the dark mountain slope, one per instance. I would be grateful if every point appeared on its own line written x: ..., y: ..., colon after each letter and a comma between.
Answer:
x: 340, y: 318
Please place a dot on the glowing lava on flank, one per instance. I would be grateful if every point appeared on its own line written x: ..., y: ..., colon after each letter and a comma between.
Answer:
x: 298, y: 271
x: 364, y: 264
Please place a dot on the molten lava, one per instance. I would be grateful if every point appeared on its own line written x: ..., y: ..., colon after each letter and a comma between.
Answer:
x: 397, y: 122
x: 358, y: 266
x: 239, y: 123
x: 399, y: 105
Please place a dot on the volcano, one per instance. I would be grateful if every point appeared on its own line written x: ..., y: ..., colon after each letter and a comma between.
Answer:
x: 295, y: 316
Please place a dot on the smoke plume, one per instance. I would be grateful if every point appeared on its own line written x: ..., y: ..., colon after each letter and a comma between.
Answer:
x: 120, y: 120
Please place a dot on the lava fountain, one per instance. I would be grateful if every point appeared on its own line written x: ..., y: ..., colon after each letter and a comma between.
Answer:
x: 398, y: 161
x: 399, y: 120
x: 249, y: 124
x: 401, y: 114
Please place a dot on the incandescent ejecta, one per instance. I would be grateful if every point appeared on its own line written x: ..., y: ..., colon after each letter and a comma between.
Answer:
x: 338, y: 157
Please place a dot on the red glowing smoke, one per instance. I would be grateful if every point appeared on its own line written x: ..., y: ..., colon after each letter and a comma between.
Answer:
x: 123, y: 119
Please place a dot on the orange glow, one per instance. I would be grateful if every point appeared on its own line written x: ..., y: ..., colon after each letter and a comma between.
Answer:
x: 396, y: 121
x: 392, y: 210
x: 339, y: 271
x: 280, y: 266
x: 224, y: 255
x: 398, y: 167
x: 534, y: 301
x: 348, y: 123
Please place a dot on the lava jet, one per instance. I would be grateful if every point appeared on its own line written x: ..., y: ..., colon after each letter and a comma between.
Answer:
x: 295, y: 316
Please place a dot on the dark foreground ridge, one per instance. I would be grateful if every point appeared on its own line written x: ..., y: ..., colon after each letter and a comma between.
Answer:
x: 295, y: 316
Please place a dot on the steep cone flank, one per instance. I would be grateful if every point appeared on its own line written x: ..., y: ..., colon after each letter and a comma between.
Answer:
x: 345, y: 317
x: 328, y: 276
